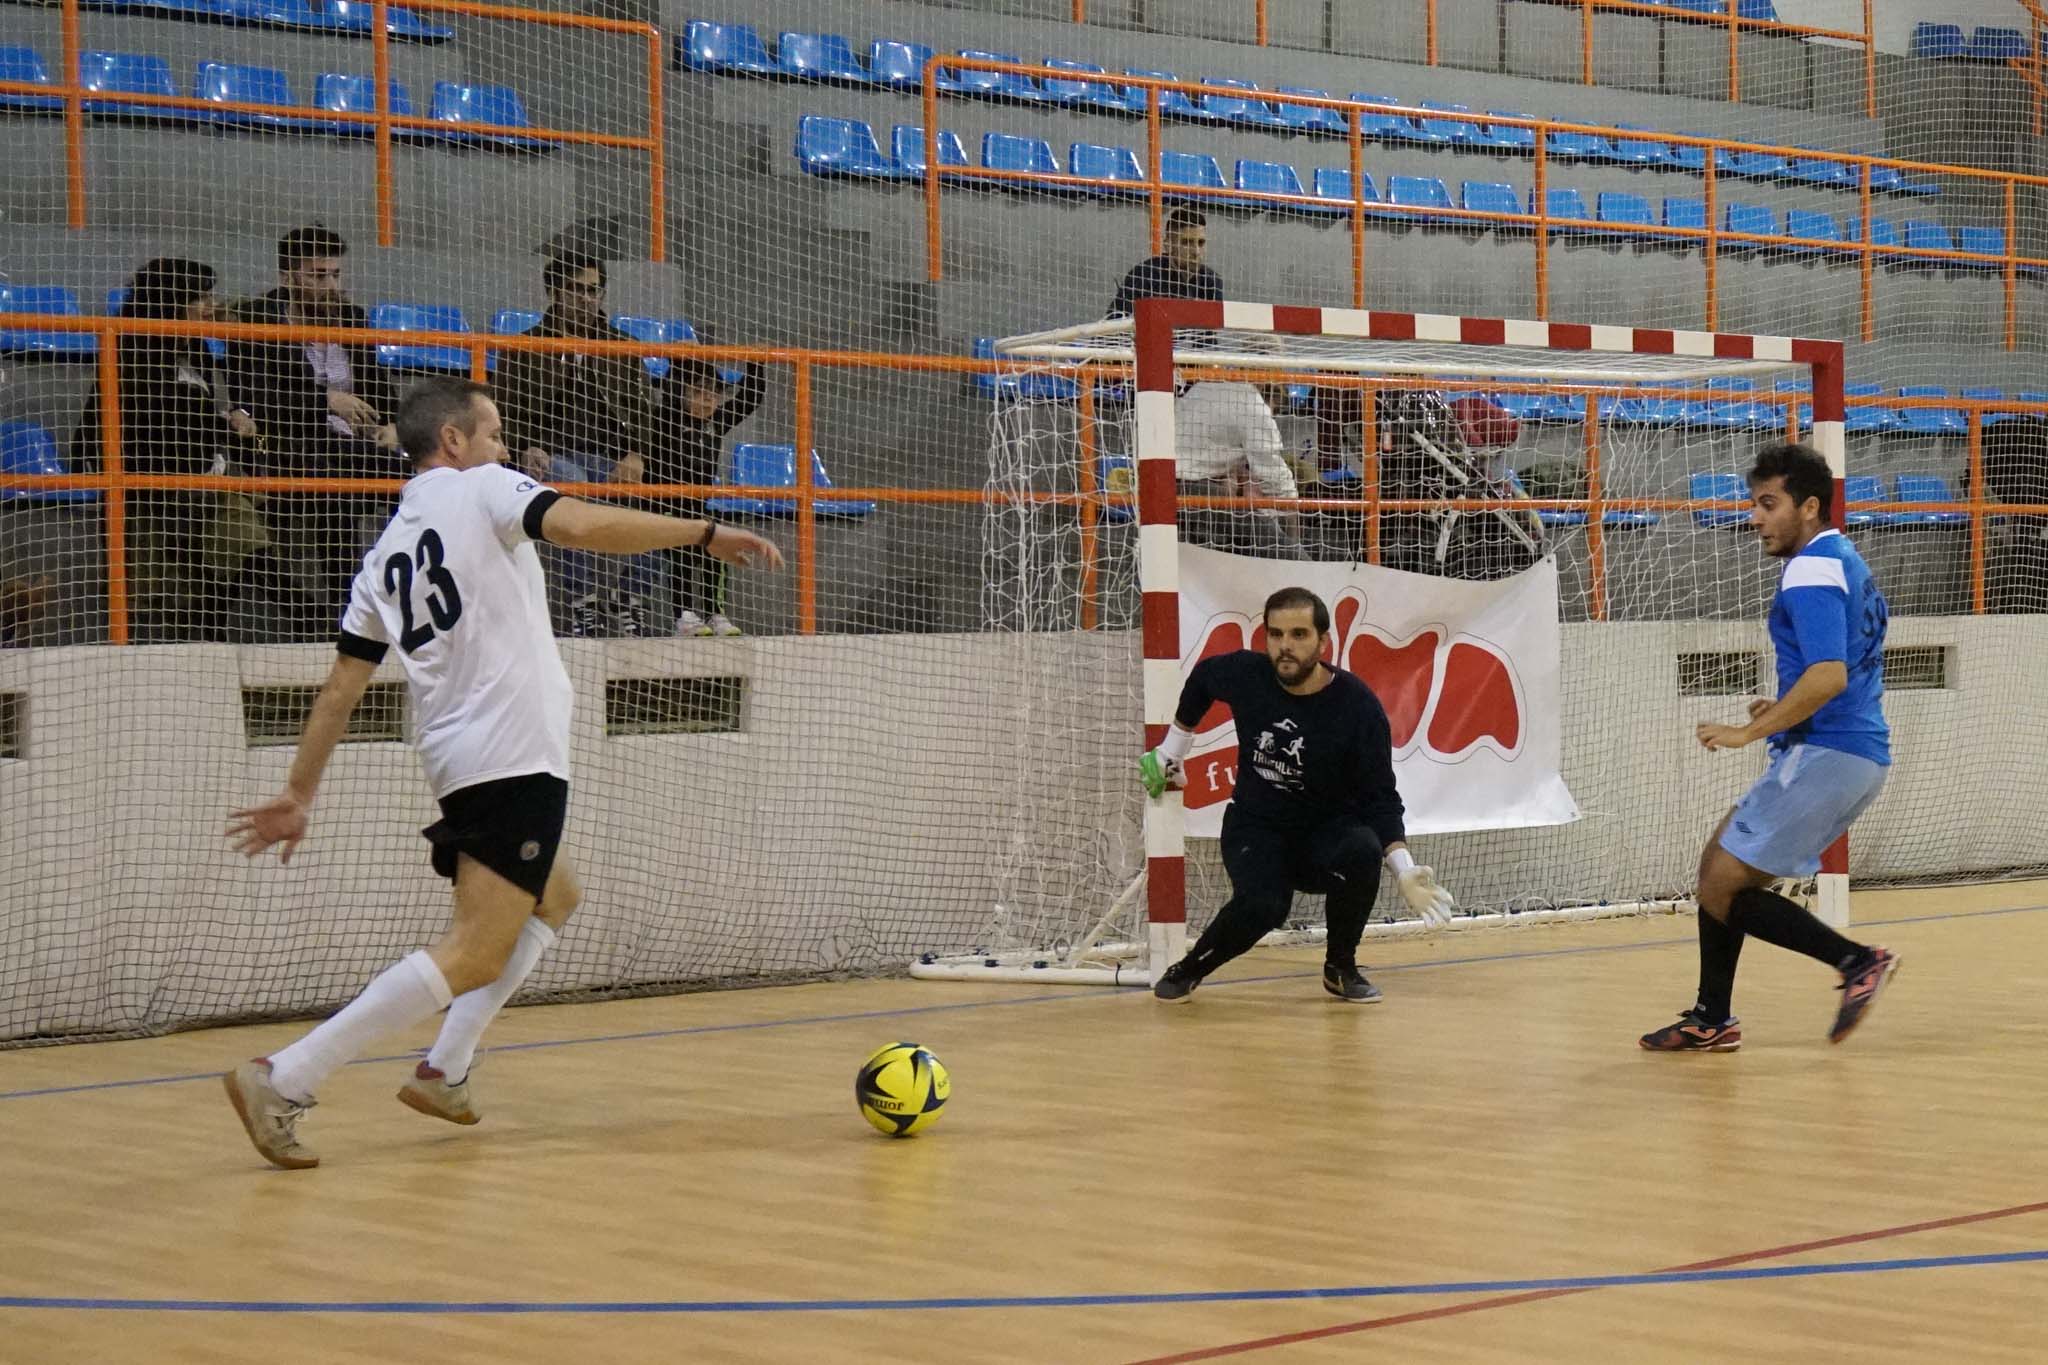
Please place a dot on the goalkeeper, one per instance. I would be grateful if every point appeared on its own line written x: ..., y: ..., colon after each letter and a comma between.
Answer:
x: 1315, y: 808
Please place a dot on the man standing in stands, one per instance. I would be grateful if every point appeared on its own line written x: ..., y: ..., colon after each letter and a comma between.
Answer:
x: 316, y: 409
x: 575, y: 418
x: 1178, y: 273
x: 697, y: 411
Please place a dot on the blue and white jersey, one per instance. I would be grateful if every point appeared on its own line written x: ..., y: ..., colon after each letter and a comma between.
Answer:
x: 1828, y: 607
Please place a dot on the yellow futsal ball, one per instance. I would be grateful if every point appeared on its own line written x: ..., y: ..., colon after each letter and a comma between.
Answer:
x: 901, y: 1089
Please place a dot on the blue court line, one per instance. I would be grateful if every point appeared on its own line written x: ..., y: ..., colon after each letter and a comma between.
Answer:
x: 1363, y: 1291
x: 1092, y: 993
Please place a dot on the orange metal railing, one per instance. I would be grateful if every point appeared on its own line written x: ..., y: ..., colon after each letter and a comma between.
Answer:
x: 1733, y: 20
x: 114, y: 482
x: 1713, y: 238
x: 382, y: 122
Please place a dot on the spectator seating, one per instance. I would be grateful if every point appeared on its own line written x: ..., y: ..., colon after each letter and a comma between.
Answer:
x: 843, y: 147
x: 907, y: 149
x: 420, y: 317
x: 339, y: 93
x: 55, y: 300
x: 1867, y: 488
x: 1916, y: 421
x: 774, y: 466
x: 25, y: 64
x: 1720, y: 488
x: 457, y: 104
x: 823, y: 57
x: 28, y: 448
x: 1928, y: 488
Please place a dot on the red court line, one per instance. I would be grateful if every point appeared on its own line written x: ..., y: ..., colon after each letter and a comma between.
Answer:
x: 1532, y: 1296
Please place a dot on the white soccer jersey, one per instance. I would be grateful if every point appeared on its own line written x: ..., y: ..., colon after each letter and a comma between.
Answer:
x: 456, y: 584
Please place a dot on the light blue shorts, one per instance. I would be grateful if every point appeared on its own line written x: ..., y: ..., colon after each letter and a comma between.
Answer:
x: 1805, y: 800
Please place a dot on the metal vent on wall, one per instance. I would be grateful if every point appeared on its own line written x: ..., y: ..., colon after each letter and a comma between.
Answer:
x: 277, y: 715
x: 1910, y: 668
x: 673, y: 706
x: 13, y: 722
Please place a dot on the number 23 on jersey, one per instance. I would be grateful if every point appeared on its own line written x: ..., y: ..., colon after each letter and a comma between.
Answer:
x: 440, y: 597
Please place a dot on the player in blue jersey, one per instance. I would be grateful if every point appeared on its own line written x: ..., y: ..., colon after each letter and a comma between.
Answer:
x: 1315, y: 807
x: 1830, y: 751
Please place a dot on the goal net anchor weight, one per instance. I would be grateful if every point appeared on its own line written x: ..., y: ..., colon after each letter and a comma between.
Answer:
x: 1070, y: 909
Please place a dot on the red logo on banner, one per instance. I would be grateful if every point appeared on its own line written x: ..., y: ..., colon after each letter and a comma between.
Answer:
x: 1445, y: 697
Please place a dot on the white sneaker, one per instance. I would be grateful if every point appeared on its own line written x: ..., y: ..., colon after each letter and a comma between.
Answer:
x: 721, y: 626
x: 690, y: 623
x: 429, y: 1092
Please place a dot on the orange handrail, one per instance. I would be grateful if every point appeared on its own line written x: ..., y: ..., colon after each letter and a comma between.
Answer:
x: 114, y: 481
x: 382, y: 121
x: 1711, y: 237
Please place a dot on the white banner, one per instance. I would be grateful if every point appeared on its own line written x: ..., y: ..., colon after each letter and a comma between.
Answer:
x: 1468, y: 673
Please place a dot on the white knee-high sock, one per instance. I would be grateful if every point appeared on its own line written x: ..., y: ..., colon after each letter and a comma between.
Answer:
x: 473, y: 1011
x: 404, y: 993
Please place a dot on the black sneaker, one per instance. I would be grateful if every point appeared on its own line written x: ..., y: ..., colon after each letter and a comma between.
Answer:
x: 1859, y: 988
x: 586, y: 622
x: 1695, y: 1032
x: 1349, y: 984
x: 632, y: 617
x: 1176, y: 983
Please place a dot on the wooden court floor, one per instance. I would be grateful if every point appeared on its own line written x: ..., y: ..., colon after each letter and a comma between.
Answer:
x: 1483, y: 1168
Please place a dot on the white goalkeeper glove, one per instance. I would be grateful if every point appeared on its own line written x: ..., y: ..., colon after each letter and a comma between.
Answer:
x: 1419, y: 888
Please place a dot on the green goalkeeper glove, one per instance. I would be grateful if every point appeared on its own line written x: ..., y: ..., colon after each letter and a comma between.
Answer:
x: 1158, y: 772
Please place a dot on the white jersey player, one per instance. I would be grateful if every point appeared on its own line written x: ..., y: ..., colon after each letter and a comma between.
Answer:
x: 455, y: 584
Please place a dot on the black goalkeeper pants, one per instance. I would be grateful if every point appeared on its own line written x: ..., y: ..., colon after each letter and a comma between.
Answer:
x: 1339, y: 858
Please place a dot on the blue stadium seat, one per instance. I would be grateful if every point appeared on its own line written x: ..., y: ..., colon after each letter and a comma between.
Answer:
x: 725, y: 49
x: 128, y: 73
x: 1818, y: 228
x: 1867, y: 418
x: 1752, y: 165
x: 1194, y: 169
x: 907, y: 145
x: 1922, y: 235
x: 228, y: 83
x: 27, y: 448
x: 1386, y: 127
x: 1687, y: 157
x: 52, y: 300
x: 1579, y: 146
x: 1800, y: 390
x: 1883, y: 179
x: 1685, y: 211
x: 338, y: 93
x: 771, y: 466
x: 1277, y: 177
x: 1332, y: 182
x: 900, y: 66
x: 1495, y: 196
x: 1930, y: 421
x: 1639, y: 151
x: 456, y: 104
x: 659, y: 332
x: 1813, y: 170
x: 1030, y: 155
x: 1240, y: 108
x: 1450, y: 132
x: 1508, y: 137
x: 1924, y: 189
x: 1937, y: 40
x: 824, y: 57
x: 1419, y: 192
x: 1172, y: 103
x: 510, y: 322
x: 1093, y: 161
x: 1928, y: 488
x: 1627, y: 212
x: 1310, y: 118
x: 1980, y: 241
x: 842, y: 147
x: 1720, y: 488
x: 25, y: 64
x: 420, y: 317
x: 1564, y: 202
x: 1883, y: 232
x: 1861, y: 488
x: 1614, y: 519
x: 1081, y: 92
x: 1997, y: 45
x: 356, y: 17
x: 994, y: 85
x: 1757, y: 219
x: 1031, y: 386
x: 1645, y: 410
x: 1742, y: 412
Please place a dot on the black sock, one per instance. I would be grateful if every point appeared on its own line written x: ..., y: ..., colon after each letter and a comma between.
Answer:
x: 1720, y: 946
x: 1772, y: 918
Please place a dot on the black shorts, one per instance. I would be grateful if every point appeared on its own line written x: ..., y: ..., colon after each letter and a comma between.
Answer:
x: 513, y: 826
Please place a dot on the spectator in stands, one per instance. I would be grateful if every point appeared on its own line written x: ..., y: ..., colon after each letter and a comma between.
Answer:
x: 576, y: 418
x: 24, y: 599
x: 319, y: 409
x: 697, y: 411
x: 1229, y: 446
x: 1178, y: 273
x: 173, y: 421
